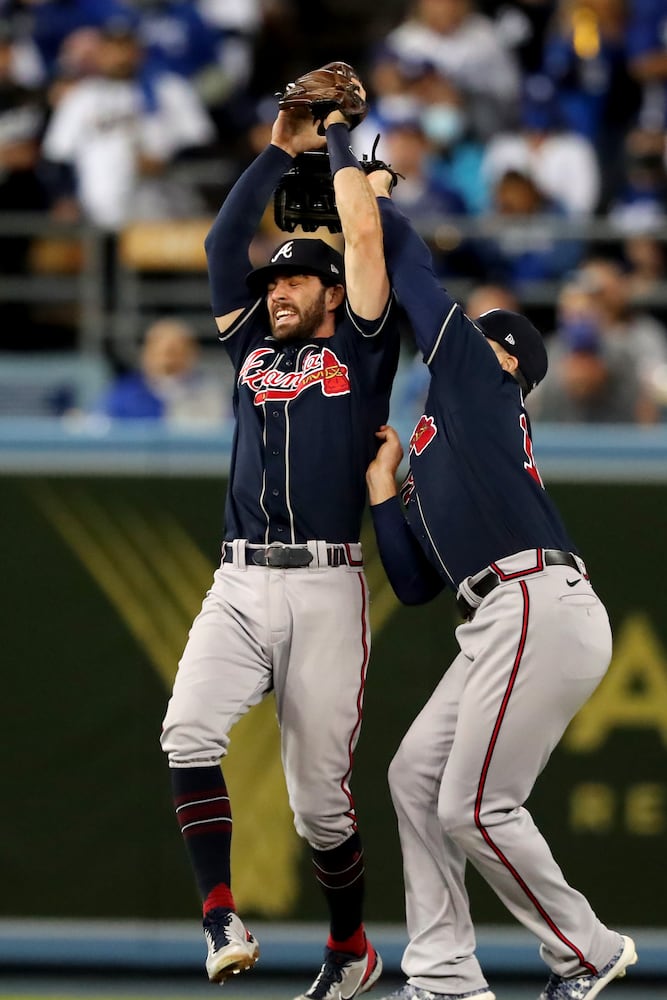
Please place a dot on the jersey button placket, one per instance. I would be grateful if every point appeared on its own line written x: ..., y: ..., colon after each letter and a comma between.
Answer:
x: 275, y: 470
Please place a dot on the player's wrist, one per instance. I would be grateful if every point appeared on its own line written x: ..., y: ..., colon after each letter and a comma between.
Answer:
x: 283, y: 145
x: 381, y: 486
x: 336, y: 117
x: 338, y: 146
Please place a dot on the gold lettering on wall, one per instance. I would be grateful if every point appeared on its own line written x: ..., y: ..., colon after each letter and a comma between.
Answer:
x: 633, y: 694
x: 600, y: 809
x: 592, y: 808
x: 645, y: 809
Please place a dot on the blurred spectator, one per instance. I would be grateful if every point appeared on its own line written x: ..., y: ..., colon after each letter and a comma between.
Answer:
x: 521, y: 26
x: 456, y: 154
x: 50, y: 22
x: 646, y: 261
x: 113, y: 136
x: 591, y: 379
x: 22, y: 113
x: 625, y: 328
x: 25, y: 63
x: 77, y: 58
x: 461, y: 44
x: 647, y: 51
x: 175, y: 37
x: 421, y: 195
x: 641, y: 200
x: 562, y: 164
x: 441, y: 109
x: 525, y: 247
x: 21, y: 123
x: 170, y: 384
x: 585, y: 57
x: 236, y: 26
x: 198, y: 44
x: 484, y: 298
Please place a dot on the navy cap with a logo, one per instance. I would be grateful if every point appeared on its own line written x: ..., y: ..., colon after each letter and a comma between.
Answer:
x: 299, y: 256
x: 519, y: 337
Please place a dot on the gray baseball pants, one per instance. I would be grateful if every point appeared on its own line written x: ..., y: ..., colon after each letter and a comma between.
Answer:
x: 305, y: 634
x: 530, y: 657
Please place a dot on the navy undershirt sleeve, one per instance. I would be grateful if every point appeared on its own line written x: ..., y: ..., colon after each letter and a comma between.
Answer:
x: 410, y: 268
x: 412, y: 577
x: 228, y: 239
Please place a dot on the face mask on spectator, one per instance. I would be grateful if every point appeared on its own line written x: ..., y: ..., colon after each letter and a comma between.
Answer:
x: 444, y: 124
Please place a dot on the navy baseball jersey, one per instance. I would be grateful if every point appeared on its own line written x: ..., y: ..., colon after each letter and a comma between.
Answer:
x: 474, y: 493
x: 534, y: 643
x: 306, y: 416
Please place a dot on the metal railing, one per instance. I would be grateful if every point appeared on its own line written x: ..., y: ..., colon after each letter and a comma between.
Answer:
x: 114, y: 298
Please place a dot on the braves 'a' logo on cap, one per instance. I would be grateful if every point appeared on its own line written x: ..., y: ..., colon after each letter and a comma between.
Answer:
x: 423, y: 434
x: 285, y: 251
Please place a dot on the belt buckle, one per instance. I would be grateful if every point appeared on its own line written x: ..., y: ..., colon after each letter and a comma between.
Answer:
x: 281, y: 556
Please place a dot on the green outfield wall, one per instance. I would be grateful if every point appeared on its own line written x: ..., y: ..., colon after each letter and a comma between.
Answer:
x: 100, y: 580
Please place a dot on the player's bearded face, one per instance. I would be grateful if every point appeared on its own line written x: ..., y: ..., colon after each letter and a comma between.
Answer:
x: 297, y: 307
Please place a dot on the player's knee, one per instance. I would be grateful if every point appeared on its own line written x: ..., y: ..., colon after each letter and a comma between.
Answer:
x: 456, y: 816
x: 411, y: 788
x: 186, y: 740
x: 398, y: 776
x: 322, y: 832
x: 403, y: 768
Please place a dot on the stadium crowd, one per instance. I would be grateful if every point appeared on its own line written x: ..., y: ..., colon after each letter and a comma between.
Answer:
x: 516, y: 124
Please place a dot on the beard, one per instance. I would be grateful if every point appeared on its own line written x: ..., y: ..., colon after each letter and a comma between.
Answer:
x: 305, y: 323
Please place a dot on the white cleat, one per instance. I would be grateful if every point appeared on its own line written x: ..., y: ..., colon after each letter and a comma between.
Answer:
x: 231, y: 948
x: 344, y: 976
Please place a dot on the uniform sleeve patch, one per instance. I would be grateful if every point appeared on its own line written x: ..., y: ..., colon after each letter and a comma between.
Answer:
x: 423, y: 434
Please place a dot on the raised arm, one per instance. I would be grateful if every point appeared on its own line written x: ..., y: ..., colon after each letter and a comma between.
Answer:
x: 228, y: 241
x: 410, y: 268
x: 365, y: 272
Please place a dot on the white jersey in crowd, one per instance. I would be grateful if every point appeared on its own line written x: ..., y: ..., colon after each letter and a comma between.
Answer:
x: 472, y: 55
x: 102, y: 126
x: 563, y: 166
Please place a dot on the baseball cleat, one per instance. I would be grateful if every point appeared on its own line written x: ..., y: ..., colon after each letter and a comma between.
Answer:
x: 344, y: 976
x: 587, y: 987
x: 231, y: 948
x: 410, y: 992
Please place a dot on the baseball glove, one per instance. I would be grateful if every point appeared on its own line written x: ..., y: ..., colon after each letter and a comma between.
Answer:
x: 330, y: 88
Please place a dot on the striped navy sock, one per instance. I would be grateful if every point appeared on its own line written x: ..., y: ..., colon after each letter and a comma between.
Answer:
x: 340, y: 873
x: 204, y: 816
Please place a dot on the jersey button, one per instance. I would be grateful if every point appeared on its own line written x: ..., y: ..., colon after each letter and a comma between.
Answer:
x: 276, y: 413
x: 275, y: 451
x: 280, y: 530
x: 275, y: 492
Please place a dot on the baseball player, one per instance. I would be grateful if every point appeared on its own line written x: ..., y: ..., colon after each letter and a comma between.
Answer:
x: 534, y: 643
x: 314, y: 340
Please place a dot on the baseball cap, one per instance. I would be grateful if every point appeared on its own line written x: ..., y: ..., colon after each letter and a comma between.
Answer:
x: 519, y: 337
x: 300, y: 256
